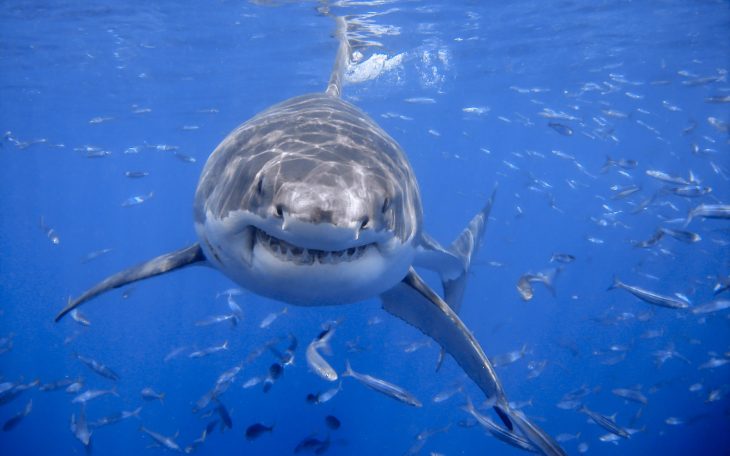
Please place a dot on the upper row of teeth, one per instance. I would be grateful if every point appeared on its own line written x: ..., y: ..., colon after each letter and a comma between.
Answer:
x: 301, y: 255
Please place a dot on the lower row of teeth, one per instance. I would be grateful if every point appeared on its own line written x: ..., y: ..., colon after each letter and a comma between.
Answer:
x: 301, y: 255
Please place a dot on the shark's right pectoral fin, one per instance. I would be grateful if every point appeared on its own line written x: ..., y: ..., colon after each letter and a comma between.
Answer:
x: 413, y: 301
x: 160, y: 265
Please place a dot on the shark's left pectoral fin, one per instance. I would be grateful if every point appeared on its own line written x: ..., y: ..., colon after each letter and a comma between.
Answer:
x: 160, y: 265
x: 413, y: 301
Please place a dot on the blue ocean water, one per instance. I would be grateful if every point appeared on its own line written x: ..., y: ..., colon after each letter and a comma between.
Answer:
x: 91, y: 90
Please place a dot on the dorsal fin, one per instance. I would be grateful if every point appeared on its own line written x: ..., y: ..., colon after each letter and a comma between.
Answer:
x: 334, y: 87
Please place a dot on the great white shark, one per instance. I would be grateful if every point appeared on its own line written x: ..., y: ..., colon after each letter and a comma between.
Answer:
x: 310, y: 202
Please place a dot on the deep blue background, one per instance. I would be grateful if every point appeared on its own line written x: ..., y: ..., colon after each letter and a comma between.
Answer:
x: 65, y: 63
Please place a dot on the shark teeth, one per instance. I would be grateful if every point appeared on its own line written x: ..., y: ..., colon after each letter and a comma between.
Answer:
x: 302, y: 256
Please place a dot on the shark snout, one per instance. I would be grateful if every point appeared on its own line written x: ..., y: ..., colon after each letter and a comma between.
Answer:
x: 323, y: 208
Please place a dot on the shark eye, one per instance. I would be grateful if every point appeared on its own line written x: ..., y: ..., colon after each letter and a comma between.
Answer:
x: 386, y: 205
x: 279, y: 210
x: 365, y: 222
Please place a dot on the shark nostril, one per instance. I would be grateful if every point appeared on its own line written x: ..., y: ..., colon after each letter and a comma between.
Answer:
x: 386, y: 205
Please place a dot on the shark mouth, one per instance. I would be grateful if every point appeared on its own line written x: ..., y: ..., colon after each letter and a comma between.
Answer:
x: 286, y: 251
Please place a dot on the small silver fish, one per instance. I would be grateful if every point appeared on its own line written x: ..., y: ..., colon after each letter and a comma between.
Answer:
x: 321, y: 398
x: 644, y: 203
x: 606, y: 422
x: 382, y: 386
x: 623, y: 163
x: 15, y: 420
x: 662, y: 356
x: 316, y: 362
x: 510, y: 357
x: 713, y: 363
x: 6, y: 343
x: 80, y: 428
x: 712, y: 306
x: 136, y: 174
x: 723, y: 284
x: 253, y: 381
x: 719, y: 125
x: 167, y: 442
x: 680, y: 235
x: 50, y: 233
x: 420, y: 100
x: 98, y: 153
x: 149, y: 394
x: 564, y: 258
x: 224, y: 415
x: 690, y: 191
x: 115, y: 418
x: 80, y: 318
x: 650, y: 296
x: 214, y: 319
x: 558, y: 115
x: 716, y: 394
x: 568, y: 404
x: 630, y: 394
x: 209, y: 350
x: 100, y: 119
x: 88, y: 395
x: 718, y: 99
x: 64, y: 382
x: 713, y: 211
x: 270, y: 318
x: 623, y: 192
x: 652, y: 241
x: 94, y: 255
x: 447, y: 394
x: 229, y: 292
x: 565, y: 437
x: 137, y: 199
x: 174, y: 353
x: 75, y: 387
x: 561, y: 129
x: 184, y: 157
x: 229, y: 376
x: 10, y: 391
x: 235, y: 308
x: 536, y: 368
x: 670, y: 106
x: 524, y: 284
x: 664, y: 177
x: 98, y: 367
x: 415, y: 346
x: 165, y: 147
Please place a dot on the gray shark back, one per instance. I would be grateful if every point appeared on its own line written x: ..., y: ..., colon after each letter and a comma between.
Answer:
x: 299, y: 152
